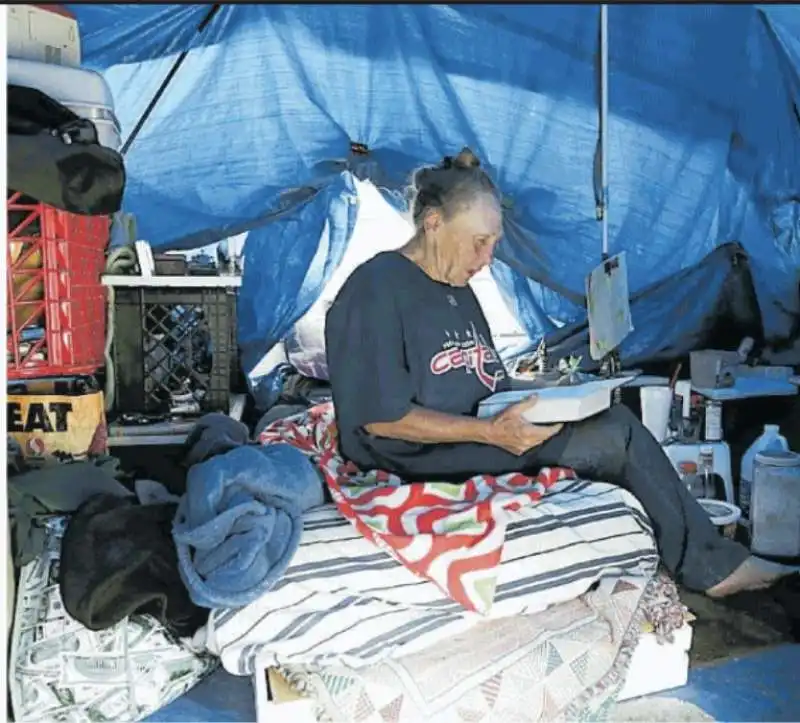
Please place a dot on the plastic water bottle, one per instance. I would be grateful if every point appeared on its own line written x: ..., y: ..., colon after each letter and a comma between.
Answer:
x: 770, y: 440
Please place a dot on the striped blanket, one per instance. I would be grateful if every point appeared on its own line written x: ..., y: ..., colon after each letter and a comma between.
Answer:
x: 484, y: 552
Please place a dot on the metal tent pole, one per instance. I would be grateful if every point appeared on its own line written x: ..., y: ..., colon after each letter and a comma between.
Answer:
x: 612, y: 363
x: 604, y: 125
x: 167, y: 80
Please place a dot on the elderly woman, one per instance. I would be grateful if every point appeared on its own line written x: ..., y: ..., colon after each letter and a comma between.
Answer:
x: 410, y: 357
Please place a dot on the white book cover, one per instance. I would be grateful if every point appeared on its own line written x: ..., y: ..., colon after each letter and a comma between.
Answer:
x: 557, y: 404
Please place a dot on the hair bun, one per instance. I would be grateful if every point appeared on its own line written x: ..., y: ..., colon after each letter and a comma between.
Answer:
x: 450, y: 184
x: 423, y: 176
x: 465, y: 159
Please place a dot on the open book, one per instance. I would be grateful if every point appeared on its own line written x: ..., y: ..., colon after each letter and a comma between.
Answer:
x: 557, y: 404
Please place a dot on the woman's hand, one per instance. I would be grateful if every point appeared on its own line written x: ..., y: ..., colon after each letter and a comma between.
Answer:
x: 512, y: 433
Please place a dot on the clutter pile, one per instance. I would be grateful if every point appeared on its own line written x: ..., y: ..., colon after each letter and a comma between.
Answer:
x: 519, y: 597
x: 373, y: 597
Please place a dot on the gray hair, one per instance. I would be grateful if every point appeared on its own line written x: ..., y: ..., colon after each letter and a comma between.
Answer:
x: 450, y: 186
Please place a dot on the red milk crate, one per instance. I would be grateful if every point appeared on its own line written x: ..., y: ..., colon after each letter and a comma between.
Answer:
x: 56, y: 305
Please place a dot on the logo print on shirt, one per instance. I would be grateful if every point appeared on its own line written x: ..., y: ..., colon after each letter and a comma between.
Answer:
x: 472, y: 354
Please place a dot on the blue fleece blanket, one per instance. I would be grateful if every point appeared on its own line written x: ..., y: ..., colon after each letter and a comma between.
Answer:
x: 239, y: 522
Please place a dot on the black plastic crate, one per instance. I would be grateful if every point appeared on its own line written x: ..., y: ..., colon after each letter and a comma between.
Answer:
x: 172, y: 345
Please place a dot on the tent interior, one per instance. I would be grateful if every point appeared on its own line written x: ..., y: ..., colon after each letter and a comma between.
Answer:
x: 277, y: 111
x: 288, y: 134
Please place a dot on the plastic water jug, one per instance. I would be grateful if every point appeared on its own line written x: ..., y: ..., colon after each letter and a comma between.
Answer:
x: 775, y: 510
x: 770, y: 439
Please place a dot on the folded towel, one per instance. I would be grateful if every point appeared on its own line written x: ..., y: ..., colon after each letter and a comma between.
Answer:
x: 239, y: 523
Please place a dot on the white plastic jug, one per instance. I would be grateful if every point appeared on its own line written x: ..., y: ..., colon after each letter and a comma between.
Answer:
x: 770, y: 440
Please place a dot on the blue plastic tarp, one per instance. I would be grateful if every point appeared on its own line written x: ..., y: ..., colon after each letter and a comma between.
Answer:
x: 704, y: 135
x: 277, y: 292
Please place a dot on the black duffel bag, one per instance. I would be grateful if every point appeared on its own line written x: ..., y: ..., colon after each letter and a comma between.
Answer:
x: 55, y: 157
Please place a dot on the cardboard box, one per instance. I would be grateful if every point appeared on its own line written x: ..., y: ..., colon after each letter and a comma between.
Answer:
x: 277, y: 702
x: 46, y: 424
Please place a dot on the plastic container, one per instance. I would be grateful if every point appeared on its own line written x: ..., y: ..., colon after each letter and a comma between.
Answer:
x: 724, y: 515
x: 55, y: 300
x: 656, y: 403
x: 688, y: 459
x: 84, y: 92
x: 174, y: 348
x: 770, y: 439
x: 712, y: 368
x: 713, y: 421
x: 47, y: 33
x: 775, y: 514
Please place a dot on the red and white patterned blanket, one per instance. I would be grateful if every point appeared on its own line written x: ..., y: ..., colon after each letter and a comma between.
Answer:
x: 451, y: 534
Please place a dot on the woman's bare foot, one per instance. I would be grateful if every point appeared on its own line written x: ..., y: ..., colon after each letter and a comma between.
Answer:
x: 753, y: 574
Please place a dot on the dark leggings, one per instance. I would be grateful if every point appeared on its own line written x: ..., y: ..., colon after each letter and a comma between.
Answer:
x: 611, y: 447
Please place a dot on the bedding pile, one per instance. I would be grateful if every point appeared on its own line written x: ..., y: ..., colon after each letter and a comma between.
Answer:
x: 503, y: 597
x: 565, y: 663
x: 473, y: 555
x: 454, y: 534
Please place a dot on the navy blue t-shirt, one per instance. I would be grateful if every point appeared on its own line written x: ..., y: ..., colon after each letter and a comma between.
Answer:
x: 396, y: 338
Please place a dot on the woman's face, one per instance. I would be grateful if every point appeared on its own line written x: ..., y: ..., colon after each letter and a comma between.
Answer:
x: 465, y: 241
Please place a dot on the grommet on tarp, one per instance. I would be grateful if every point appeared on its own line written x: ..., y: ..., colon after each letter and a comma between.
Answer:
x: 359, y: 149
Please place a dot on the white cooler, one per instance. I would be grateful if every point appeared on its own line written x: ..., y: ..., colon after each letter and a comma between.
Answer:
x: 84, y: 92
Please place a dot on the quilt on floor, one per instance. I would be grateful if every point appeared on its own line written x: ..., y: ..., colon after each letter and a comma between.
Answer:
x: 566, y: 663
x: 451, y: 534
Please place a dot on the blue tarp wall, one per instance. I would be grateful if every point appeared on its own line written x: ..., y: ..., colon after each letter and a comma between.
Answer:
x: 254, y: 135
